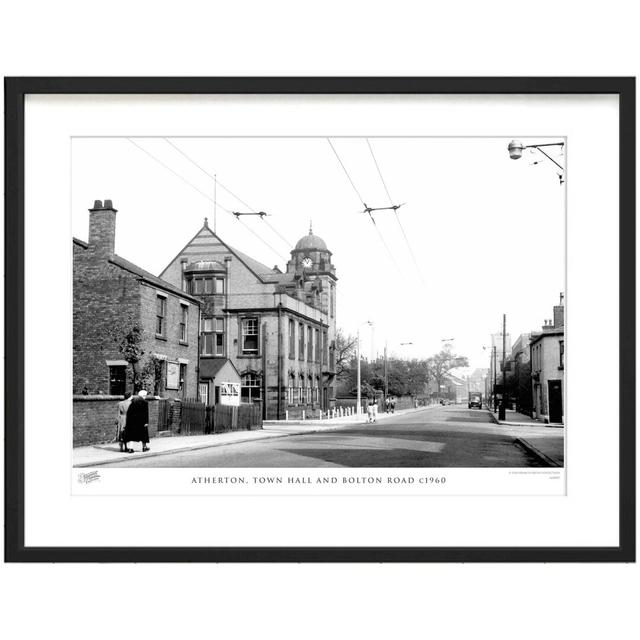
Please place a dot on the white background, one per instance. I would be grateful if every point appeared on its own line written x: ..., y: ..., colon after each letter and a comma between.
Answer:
x: 587, y: 516
x: 293, y: 601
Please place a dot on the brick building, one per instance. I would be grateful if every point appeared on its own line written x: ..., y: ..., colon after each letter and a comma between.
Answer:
x: 547, y: 368
x: 107, y: 289
x: 276, y: 330
x: 521, y: 388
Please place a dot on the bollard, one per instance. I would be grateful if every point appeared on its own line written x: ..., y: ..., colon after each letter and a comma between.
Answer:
x: 286, y: 415
x: 303, y: 414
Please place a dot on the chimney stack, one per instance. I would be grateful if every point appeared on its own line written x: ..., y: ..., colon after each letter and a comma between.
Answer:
x: 102, y: 228
x: 558, y: 313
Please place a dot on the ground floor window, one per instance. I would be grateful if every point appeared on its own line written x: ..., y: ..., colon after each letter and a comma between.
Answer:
x: 203, y: 392
x: 250, y: 389
x: 117, y: 380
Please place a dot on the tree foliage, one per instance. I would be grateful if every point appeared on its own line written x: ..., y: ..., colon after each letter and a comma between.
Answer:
x: 127, y: 335
x: 344, y: 354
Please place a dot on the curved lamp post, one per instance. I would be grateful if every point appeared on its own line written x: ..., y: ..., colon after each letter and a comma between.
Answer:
x: 516, y: 148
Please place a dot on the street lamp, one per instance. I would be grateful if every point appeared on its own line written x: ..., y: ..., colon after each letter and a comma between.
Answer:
x: 359, y: 398
x: 516, y: 148
x: 386, y: 368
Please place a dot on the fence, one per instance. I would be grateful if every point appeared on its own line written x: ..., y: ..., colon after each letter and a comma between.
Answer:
x: 198, y: 419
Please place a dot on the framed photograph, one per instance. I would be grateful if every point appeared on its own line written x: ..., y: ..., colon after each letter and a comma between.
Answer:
x: 320, y: 319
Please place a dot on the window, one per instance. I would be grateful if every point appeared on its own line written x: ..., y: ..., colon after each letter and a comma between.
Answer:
x: 218, y: 327
x: 292, y: 339
x: 207, y: 285
x: 317, y: 358
x: 250, y: 391
x: 303, y: 391
x: 561, y: 354
x: 300, y: 341
x: 316, y: 390
x: 324, y: 347
x: 331, y: 288
x: 292, y: 389
x: 250, y: 336
x: 184, y: 320
x: 310, y: 390
x: 161, y: 312
x: 117, y: 380
x: 309, y: 344
x: 212, y: 330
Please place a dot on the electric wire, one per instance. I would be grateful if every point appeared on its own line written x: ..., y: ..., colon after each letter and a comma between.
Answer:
x: 207, y: 196
x: 231, y: 193
x: 395, y: 211
x: 364, y: 204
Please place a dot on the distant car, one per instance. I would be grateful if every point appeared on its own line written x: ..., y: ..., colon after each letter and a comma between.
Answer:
x: 475, y: 400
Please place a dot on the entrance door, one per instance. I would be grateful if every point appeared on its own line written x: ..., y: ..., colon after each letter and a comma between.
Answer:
x: 555, y: 401
x: 203, y: 392
x: 325, y: 399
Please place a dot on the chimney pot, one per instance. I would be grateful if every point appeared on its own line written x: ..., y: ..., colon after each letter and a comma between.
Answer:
x: 102, y: 228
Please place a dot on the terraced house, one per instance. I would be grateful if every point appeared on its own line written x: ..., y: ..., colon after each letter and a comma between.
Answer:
x: 108, y: 289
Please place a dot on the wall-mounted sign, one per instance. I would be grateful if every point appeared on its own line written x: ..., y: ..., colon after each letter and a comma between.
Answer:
x: 173, y: 375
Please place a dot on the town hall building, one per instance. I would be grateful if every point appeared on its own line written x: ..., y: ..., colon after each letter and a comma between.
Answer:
x: 265, y: 335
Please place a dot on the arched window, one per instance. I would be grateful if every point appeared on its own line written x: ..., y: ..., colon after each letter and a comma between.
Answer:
x: 250, y: 388
x: 303, y: 390
x: 310, y: 390
x: 291, y: 396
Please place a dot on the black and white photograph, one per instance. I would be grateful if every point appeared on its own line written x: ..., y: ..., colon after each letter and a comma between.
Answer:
x: 364, y: 315
x: 286, y: 302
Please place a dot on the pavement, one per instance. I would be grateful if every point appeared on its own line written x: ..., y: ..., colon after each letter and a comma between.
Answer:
x: 99, y: 454
x: 546, y: 441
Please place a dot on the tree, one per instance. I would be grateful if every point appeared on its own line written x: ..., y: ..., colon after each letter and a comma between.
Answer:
x: 441, y: 363
x: 128, y: 335
x: 344, y: 354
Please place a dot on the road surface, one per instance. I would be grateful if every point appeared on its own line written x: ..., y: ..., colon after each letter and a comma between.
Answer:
x: 451, y: 436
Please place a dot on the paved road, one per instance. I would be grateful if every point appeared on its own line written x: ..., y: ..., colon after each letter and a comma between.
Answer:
x: 452, y: 436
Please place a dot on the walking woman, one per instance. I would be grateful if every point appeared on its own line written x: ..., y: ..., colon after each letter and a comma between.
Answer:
x: 137, y: 428
x: 121, y: 421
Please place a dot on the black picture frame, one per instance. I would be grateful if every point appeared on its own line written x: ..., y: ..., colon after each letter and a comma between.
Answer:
x: 15, y: 91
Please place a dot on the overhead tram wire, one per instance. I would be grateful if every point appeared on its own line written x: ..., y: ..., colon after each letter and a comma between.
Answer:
x: 207, y: 196
x: 231, y: 193
x: 395, y: 211
x: 364, y: 204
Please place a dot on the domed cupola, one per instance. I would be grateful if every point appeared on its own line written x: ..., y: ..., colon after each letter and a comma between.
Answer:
x: 311, y: 242
x: 310, y: 255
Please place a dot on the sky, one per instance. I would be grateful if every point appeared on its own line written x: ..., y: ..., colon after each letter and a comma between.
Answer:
x: 478, y: 235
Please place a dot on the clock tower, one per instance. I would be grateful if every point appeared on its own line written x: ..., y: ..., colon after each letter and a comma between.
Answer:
x: 314, y: 275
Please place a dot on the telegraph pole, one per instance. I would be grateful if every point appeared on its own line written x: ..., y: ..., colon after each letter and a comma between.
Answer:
x: 502, y: 414
x: 386, y: 374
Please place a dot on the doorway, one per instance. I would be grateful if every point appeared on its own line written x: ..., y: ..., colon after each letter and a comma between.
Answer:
x: 555, y: 401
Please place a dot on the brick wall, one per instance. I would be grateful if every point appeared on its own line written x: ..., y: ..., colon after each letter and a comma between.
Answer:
x: 170, y: 346
x: 101, y: 293
x: 94, y: 419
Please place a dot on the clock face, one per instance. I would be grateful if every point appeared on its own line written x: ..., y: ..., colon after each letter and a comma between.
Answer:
x: 307, y: 262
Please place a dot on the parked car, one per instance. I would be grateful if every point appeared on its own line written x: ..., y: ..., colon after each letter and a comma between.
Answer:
x: 475, y: 400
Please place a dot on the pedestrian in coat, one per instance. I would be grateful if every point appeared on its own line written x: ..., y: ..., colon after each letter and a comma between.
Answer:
x: 375, y: 410
x: 393, y: 405
x: 121, y: 420
x: 387, y: 402
x: 137, y: 427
